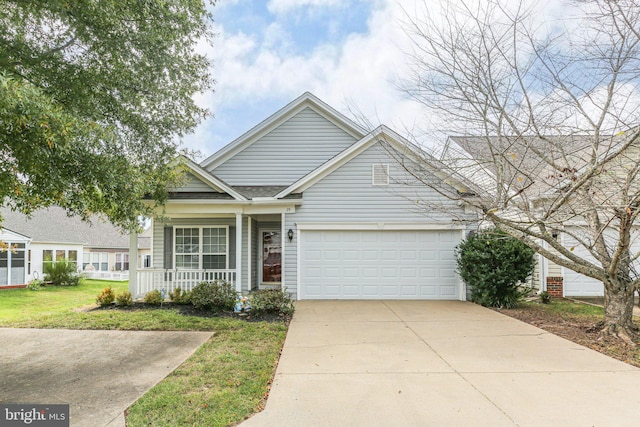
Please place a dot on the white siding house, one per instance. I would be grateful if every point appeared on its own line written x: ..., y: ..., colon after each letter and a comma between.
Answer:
x: 50, y: 234
x: 310, y: 202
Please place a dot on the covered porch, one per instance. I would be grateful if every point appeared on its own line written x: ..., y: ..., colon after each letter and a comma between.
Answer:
x: 194, y: 244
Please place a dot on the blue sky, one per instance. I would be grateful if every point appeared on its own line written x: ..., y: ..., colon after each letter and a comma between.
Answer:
x: 267, y: 53
x: 351, y: 54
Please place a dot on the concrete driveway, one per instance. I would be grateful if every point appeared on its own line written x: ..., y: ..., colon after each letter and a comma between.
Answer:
x: 428, y: 363
x: 98, y: 373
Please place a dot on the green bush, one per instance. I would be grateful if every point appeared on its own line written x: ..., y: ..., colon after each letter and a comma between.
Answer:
x: 545, y: 298
x: 493, y: 265
x: 61, y: 273
x: 275, y: 301
x: 125, y: 299
x: 106, y: 297
x: 217, y: 295
x: 35, y: 285
x: 153, y: 297
x: 179, y: 296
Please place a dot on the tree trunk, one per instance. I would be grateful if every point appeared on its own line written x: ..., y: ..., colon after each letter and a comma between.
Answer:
x: 618, y: 310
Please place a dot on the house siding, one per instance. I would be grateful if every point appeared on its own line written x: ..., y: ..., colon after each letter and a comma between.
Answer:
x: 193, y: 184
x: 347, y: 195
x: 287, y: 153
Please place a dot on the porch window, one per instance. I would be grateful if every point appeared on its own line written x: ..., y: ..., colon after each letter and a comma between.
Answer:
x: 12, y: 264
x: 201, y: 248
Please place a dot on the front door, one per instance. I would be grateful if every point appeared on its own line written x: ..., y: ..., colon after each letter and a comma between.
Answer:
x: 271, y: 256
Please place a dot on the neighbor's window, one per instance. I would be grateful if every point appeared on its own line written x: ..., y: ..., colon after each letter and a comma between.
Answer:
x: 201, y: 247
x: 122, y: 261
x: 70, y: 255
x: 99, y: 260
x: 380, y: 174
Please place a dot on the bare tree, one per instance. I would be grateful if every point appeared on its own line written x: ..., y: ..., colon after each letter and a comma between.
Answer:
x: 547, y: 117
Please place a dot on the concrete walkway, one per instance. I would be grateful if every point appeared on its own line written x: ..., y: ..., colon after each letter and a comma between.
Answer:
x: 428, y: 363
x: 99, y: 373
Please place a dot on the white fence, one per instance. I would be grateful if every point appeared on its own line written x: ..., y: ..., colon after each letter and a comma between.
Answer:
x: 107, y: 275
x: 155, y: 278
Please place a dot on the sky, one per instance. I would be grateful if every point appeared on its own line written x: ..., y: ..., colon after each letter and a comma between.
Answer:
x: 267, y: 53
x: 352, y: 54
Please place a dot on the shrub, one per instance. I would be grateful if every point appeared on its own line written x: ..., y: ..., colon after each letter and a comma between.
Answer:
x: 494, y: 264
x: 275, y: 301
x: 545, y: 298
x: 179, y: 296
x: 106, y: 297
x: 61, y: 273
x: 217, y: 295
x: 153, y: 297
x: 35, y: 285
x: 125, y: 299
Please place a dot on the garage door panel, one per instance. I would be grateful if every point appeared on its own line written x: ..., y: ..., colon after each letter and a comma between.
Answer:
x: 378, y: 264
x: 576, y: 284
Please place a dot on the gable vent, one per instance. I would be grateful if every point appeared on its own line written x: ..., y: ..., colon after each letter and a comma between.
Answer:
x: 380, y: 174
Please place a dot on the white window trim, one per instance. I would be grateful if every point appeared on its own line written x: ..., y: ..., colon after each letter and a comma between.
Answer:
x: 124, y: 258
x: 374, y: 174
x: 100, y: 260
x: 200, y: 244
x: 66, y: 251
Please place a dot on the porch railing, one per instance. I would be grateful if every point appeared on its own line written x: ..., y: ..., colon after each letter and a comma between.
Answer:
x: 156, y: 278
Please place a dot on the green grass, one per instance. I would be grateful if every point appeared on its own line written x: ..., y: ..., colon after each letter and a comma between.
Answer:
x: 222, y: 383
x: 25, y: 308
x: 568, y: 307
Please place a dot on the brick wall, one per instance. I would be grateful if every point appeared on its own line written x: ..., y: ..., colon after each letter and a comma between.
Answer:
x: 554, y: 286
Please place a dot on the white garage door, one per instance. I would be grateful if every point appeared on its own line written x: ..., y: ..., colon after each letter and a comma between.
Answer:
x: 378, y: 264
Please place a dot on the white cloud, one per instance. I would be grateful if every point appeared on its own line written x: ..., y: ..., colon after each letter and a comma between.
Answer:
x: 284, y: 6
x: 363, y: 70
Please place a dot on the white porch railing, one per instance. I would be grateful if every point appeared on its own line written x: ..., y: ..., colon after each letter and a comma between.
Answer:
x: 159, y: 278
x: 107, y: 275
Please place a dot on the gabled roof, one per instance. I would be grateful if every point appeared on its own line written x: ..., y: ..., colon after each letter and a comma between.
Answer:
x: 306, y: 100
x: 212, y: 180
x: 52, y: 225
x: 7, y: 235
x: 402, y: 146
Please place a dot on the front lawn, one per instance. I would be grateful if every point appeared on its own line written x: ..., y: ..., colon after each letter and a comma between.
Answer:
x: 224, y: 382
x: 575, y: 321
x: 35, y: 309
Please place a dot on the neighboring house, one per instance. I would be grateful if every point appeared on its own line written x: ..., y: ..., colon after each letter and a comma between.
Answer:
x: 49, y: 234
x: 547, y: 273
x: 310, y: 202
x: 144, y: 248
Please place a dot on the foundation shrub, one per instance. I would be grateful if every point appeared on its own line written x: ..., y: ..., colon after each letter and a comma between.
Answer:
x: 494, y: 265
x: 276, y: 301
x: 217, y: 296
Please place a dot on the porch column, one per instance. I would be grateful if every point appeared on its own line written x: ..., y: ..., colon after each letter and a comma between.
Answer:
x: 133, y: 262
x: 239, y: 252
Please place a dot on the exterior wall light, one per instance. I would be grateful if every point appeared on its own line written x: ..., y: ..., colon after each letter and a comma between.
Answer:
x: 290, y: 235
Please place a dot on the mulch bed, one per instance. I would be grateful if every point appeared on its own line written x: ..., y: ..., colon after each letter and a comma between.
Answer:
x: 578, y: 329
x: 190, y: 310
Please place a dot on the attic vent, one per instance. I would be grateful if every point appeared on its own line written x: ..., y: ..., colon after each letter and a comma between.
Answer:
x: 380, y: 174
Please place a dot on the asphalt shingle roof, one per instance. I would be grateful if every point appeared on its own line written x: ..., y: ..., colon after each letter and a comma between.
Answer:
x: 52, y: 225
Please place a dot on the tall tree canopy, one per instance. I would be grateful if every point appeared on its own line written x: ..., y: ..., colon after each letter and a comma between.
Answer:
x: 546, y: 116
x: 94, y: 98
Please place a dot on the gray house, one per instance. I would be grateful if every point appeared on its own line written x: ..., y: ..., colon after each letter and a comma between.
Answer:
x: 311, y: 202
